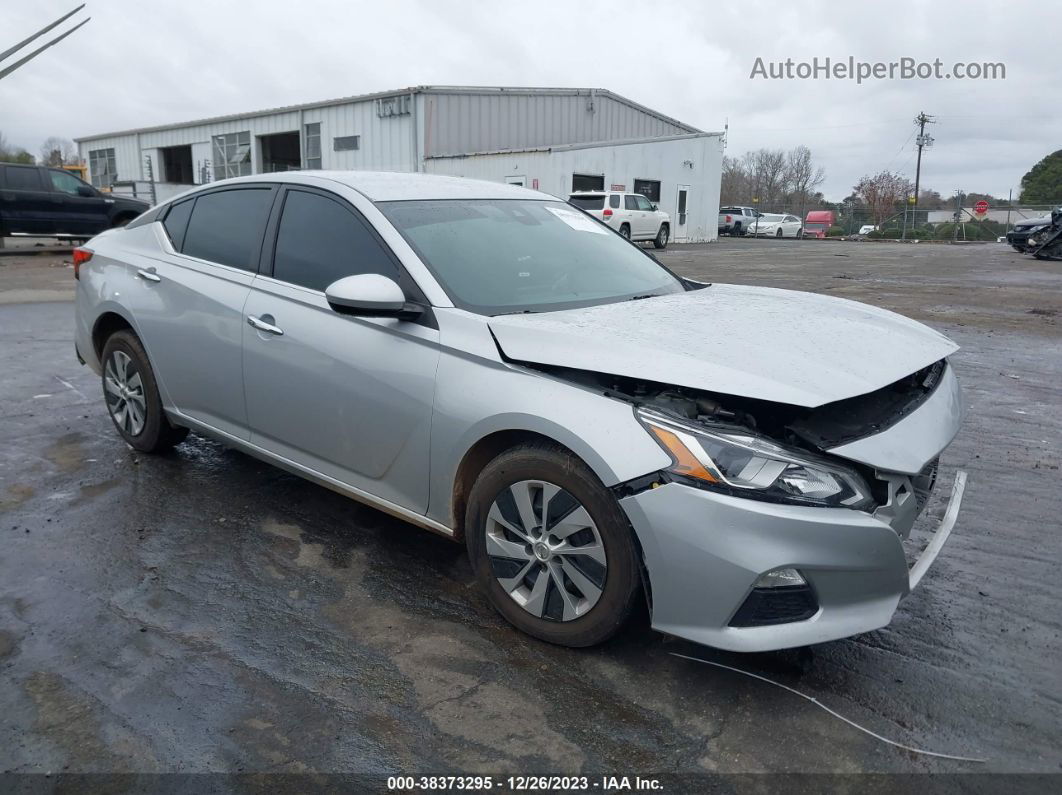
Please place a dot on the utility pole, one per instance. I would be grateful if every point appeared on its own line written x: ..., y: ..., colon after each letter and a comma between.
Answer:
x: 923, y: 140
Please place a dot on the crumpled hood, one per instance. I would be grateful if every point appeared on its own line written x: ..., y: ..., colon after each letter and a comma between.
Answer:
x: 785, y: 346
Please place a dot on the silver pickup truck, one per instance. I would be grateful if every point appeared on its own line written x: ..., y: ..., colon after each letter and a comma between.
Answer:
x: 735, y: 220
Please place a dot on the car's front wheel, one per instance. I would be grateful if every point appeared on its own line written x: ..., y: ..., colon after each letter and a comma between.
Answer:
x: 132, y: 396
x: 551, y: 546
x: 661, y: 237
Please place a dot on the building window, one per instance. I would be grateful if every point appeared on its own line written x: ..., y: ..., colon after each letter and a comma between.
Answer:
x: 102, y: 170
x: 588, y: 182
x: 232, y: 155
x: 346, y: 143
x: 393, y: 106
x: 312, y: 134
x: 649, y: 188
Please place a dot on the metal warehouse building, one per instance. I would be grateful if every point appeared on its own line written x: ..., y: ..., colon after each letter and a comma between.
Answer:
x: 550, y: 139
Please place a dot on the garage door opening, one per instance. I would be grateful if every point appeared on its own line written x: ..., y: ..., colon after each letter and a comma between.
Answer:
x: 588, y: 182
x: 280, y: 152
x: 177, y: 165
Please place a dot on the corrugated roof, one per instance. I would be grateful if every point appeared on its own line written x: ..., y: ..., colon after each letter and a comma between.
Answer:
x: 486, y: 90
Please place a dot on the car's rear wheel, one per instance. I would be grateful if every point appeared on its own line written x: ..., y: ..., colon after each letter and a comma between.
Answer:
x: 661, y: 237
x: 132, y: 396
x: 551, y: 546
x: 738, y: 230
x: 625, y: 230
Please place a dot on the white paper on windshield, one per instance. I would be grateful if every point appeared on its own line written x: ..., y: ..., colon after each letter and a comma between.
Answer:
x: 576, y: 220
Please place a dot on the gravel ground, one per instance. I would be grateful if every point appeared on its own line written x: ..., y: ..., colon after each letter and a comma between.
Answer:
x: 204, y: 612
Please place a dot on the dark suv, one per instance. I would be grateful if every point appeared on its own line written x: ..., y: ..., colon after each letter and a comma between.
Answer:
x: 36, y: 200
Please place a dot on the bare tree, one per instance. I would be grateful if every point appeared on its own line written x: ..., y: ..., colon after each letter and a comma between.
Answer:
x: 57, y: 151
x: 803, y: 176
x: 882, y: 193
x: 767, y: 171
x: 734, y: 184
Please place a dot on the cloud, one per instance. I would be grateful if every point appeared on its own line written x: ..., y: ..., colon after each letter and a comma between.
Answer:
x: 145, y: 63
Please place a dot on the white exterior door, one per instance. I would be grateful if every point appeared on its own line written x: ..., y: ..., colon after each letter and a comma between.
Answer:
x: 681, y: 214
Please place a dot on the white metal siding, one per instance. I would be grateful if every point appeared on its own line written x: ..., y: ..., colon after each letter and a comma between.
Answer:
x: 469, y: 123
x: 696, y: 162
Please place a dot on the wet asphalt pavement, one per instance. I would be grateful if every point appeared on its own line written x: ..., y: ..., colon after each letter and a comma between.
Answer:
x: 204, y: 612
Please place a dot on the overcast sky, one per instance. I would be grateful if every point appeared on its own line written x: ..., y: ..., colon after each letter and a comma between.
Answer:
x: 141, y: 63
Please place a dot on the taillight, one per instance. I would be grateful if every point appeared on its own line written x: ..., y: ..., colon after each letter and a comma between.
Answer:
x: 81, y: 256
x: 729, y: 219
x: 607, y: 213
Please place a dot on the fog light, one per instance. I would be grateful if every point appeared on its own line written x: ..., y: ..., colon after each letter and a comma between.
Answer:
x: 780, y: 578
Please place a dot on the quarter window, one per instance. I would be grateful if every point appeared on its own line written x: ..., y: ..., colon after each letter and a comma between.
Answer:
x: 613, y: 201
x: 102, y: 169
x: 227, y: 226
x: 177, y: 221
x: 313, y: 145
x: 320, y: 241
x: 232, y: 155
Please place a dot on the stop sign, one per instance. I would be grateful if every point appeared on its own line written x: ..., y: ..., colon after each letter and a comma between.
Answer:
x: 981, y: 207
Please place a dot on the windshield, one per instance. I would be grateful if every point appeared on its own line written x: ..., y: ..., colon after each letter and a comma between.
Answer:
x: 499, y: 256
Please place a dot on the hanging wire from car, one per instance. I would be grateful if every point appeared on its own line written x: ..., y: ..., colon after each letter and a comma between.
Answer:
x: 835, y: 714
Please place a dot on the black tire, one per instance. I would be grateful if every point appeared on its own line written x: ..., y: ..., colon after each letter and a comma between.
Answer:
x: 779, y: 232
x: 156, y: 434
x: 620, y: 589
x: 738, y: 231
x: 625, y: 230
x: 662, y: 236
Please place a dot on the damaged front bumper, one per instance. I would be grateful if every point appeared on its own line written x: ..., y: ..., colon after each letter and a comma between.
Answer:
x: 712, y: 548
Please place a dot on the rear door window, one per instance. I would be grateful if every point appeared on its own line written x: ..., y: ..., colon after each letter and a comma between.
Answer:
x: 22, y: 178
x: 588, y: 202
x: 226, y: 226
x: 630, y: 203
x: 320, y: 240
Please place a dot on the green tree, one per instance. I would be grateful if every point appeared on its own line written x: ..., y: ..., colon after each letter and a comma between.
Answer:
x: 13, y: 154
x: 1043, y: 183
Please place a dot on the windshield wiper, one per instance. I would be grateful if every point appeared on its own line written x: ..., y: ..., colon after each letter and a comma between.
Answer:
x: 640, y: 297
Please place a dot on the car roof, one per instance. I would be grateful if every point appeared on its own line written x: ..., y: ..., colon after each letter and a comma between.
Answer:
x: 383, y: 186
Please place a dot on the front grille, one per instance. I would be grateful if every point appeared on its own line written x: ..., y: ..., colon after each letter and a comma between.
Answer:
x: 766, y: 606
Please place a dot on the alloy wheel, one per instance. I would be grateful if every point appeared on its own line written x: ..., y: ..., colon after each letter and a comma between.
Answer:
x: 124, y: 393
x: 545, y: 550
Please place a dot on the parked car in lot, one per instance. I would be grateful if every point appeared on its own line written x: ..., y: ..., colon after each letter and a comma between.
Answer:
x: 35, y: 200
x: 630, y: 214
x: 737, y: 220
x: 1018, y: 236
x: 818, y: 222
x: 777, y: 226
x: 489, y: 363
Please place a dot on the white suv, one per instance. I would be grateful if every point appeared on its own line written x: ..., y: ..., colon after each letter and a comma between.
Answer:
x: 630, y: 214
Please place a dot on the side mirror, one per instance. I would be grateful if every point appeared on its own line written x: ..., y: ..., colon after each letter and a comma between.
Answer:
x: 652, y: 206
x: 85, y: 190
x: 370, y: 295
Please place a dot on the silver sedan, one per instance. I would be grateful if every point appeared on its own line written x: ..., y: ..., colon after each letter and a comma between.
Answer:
x: 494, y: 365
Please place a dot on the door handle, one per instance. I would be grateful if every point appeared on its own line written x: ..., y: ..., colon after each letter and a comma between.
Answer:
x: 261, y: 325
x: 148, y: 275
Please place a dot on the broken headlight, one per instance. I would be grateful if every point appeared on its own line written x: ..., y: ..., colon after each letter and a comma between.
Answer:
x: 737, y: 461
